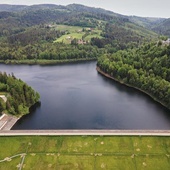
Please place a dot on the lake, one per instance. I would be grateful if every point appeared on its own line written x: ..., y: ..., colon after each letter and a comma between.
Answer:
x: 76, y: 96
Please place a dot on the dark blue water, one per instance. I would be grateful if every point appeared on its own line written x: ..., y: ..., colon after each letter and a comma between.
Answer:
x: 75, y: 96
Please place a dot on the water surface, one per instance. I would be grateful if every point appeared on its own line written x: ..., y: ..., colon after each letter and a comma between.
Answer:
x: 75, y: 96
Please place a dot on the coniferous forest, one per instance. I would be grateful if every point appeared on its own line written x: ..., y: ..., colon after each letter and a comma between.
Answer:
x: 20, y: 96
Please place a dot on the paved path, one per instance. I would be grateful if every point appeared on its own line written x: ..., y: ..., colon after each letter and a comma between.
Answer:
x: 3, y: 97
x: 7, y: 121
x: 85, y: 132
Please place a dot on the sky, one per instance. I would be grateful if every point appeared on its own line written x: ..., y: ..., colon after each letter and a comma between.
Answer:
x: 144, y: 8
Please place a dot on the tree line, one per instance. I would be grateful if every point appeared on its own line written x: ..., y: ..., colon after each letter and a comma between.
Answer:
x: 20, y: 96
x: 48, y: 51
x: 146, y: 67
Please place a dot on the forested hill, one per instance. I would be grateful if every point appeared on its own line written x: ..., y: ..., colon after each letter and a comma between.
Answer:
x: 71, y: 7
x: 159, y: 25
x: 146, y: 68
x: 12, y: 8
x: 65, y: 33
x: 163, y: 27
x: 20, y: 97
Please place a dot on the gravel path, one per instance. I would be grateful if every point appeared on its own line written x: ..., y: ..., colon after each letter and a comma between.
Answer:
x: 85, y: 132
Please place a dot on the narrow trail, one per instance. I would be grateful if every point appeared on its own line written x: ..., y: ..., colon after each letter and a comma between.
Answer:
x: 10, y: 158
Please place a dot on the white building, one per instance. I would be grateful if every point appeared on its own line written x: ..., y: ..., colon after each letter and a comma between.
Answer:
x: 167, y: 42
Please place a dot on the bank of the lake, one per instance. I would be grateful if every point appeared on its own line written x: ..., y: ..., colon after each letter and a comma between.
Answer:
x: 7, y: 121
x: 128, y: 85
x: 46, y: 62
x: 16, y: 99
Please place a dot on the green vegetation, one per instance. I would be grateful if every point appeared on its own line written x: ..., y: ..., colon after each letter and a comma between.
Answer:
x: 85, y: 152
x: 20, y: 97
x: 146, y: 68
x: 69, y: 37
x: 159, y: 25
x: 50, y: 34
x: 78, y: 33
x: 163, y: 28
x: 67, y: 28
x: 48, y: 62
x: 64, y: 33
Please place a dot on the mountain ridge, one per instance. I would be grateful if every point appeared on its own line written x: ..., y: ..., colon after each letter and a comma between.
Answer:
x: 158, y: 25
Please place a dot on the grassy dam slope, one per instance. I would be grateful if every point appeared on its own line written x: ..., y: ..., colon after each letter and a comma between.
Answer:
x: 87, y: 152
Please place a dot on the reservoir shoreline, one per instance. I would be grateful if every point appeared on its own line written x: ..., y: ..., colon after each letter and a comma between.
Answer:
x: 128, y: 85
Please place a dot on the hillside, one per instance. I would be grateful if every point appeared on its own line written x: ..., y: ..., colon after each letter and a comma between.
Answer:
x: 12, y: 8
x: 146, y: 22
x: 42, y: 11
x: 158, y: 25
x: 73, y: 14
x: 163, y: 27
x: 32, y: 32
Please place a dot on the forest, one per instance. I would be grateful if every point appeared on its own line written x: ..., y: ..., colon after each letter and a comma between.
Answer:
x: 30, y: 33
x: 146, y: 68
x: 20, y: 96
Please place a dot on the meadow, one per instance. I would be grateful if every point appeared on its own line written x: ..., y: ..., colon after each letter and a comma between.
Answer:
x: 75, y: 32
x: 84, y: 152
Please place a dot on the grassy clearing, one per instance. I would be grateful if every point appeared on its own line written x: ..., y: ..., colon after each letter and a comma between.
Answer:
x: 76, y: 32
x: 85, y: 152
x: 68, y: 37
x: 68, y: 28
x: 71, y: 33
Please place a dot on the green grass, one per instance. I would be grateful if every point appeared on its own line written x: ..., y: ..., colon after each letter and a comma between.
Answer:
x: 3, y: 93
x: 85, y: 152
x: 68, y: 37
x: 10, y: 165
x: 115, y: 162
x: 121, y: 145
x: 10, y: 146
x: 75, y: 32
x: 68, y: 28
